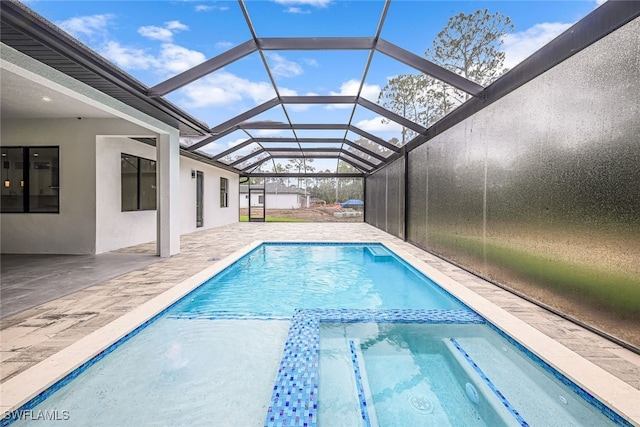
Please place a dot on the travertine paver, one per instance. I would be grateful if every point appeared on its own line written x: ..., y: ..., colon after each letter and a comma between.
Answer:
x: 34, y: 334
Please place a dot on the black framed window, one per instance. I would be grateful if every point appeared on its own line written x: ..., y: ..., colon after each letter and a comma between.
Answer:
x: 138, y: 182
x: 30, y: 179
x: 224, y: 192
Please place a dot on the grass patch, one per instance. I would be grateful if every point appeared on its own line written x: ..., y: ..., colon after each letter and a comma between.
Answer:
x: 600, y: 288
x: 245, y: 218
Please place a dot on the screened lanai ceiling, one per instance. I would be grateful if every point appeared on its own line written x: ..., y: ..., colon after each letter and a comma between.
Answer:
x: 270, y: 135
x: 289, y: 87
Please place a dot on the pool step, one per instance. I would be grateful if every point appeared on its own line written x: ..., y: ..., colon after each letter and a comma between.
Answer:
x: 379, y: 254
x: 481, y: 390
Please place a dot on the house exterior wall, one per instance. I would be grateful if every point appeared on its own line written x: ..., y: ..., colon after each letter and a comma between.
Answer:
x: 277, y: 201
x: 91, y: 218
x: 214, y: 214
x: 116, y: 229
x: 73, y: 229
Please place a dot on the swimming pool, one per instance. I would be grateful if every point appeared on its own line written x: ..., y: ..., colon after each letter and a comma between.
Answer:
x: 178, y: 367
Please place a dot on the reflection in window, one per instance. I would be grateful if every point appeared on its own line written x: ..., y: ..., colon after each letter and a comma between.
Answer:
x: 224, y: 192
x: 30, y: 179
x: 138, y: 182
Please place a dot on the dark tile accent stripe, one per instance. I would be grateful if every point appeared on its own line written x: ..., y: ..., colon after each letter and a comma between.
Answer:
x: 361, y: 398
x: 490, y: 384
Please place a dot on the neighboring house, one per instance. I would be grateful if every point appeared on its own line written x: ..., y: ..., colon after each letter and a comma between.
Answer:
x: 91, y: 163
x: 276, y: 196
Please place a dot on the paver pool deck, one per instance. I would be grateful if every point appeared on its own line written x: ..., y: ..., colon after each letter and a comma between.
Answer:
x: 32, y: 335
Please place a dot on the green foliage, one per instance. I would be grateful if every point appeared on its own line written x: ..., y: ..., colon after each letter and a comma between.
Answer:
x: 412, y: 96
x: 469, y: 45
x: 245, y: 218
x: 335, y: 190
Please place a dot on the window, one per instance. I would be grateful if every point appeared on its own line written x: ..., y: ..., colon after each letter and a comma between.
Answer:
x: 30, y: 179
x: 224, y: 192
x: 138, y: 181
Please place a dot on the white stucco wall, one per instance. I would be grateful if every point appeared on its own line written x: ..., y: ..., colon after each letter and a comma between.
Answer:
x: 91, y: 218
x: 214, y: 215
x: 277, y: 201
x: 116, y: 229
x: 73, y: 230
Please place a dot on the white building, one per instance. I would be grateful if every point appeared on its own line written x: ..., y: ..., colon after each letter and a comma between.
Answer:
x: 88, y: 170
x: 275, y: 196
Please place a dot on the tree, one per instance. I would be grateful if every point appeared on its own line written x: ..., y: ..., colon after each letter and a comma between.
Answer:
x: 301, y: 165
x: 469, y: 45
x: 278, y: 168
x: 409, y: 95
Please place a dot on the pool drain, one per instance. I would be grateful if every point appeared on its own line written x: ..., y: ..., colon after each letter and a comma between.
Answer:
x: 421, y: 404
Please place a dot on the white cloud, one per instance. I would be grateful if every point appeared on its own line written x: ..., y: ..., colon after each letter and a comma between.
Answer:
x: 128, y: 58
x: 242, y: 151
x: 203, y: 8
x: 520, y: 45
x: 89, y: 26
x: 314, y: 3
x: 207, y: 8
x: 370, y: 92
x: 224, y: 89
x: 311, y: 62
x: 176, y: 26
x: 176, y: 59
x: 282, y: 67
x: 156, y: 33
x: 377, y: 124
x: 298, y: 11
x: 350, y: 88
x: 164, y: 34
x: 236, y: 142
x: 172, y: 58
x: 600, y: 2
x: 287, y: 92
x: 223, y: 45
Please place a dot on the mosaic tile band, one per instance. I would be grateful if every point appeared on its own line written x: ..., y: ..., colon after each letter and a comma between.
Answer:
x: 294, y: 400
x: 361, y: 397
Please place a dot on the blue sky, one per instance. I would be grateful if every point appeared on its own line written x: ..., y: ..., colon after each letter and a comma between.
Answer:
x: 153, y: 40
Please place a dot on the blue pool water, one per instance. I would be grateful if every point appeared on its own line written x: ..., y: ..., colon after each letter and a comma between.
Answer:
x: 444, y: 375
x: 275, y: 279
x: 357, y: 325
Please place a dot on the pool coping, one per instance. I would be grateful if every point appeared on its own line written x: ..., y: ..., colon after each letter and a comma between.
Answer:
x: 607, y: 388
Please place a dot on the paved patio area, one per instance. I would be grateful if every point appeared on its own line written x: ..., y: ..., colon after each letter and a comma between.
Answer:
x: 31, y: 335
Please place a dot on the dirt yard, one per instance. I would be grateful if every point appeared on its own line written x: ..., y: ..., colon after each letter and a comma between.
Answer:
x: 314, y: 214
